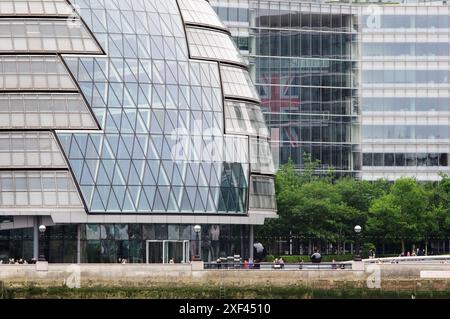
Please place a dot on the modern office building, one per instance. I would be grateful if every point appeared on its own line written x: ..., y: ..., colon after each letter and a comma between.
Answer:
x: 362, y: 87
x: 304, y: 60
x: 405, y: 91
x: 123, y: 125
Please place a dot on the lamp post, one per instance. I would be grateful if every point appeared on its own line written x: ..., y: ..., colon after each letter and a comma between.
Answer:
x: 357, y: 255
x: 197, y: 230
x: 42, y: 229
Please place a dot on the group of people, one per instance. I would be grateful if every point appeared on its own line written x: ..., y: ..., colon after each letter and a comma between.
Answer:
x: 20, y: 261
x: 248, y: 264
x: 278, y: 263
x: 417, y: 252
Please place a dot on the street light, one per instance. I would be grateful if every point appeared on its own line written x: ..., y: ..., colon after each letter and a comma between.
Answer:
x: 357, y: 256
x: 197, y: 230
x: 42, y: 229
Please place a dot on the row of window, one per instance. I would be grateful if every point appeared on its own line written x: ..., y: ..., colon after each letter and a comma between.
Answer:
x: 30, y: 150
x: 43, y: 111
x: 405, y: 159
x: 302, y: 19
x: 34, y: 7
x: 231, y: 14
x: 440, y: 21
x: 304, y: 44
x: 213, y: 45
x: 261, y: 160
x: 405, y: 49
x: 405, y: 76
x: 199, y: 12
x: 125, y: 231
x: 244, y: 118
x: 311, y: 131
x: 237, y: 83
x: 413, y: 104
x: 34, y: 73
x: 107, y: 243
x: 38, y: 189
x: 336, y: 156
x: 305, y: 72
x: 44, y: 35
x: 405, y: 132
x: 262, y: 193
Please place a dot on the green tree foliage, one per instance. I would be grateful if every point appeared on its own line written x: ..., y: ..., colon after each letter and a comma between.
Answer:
x: 325, y: 208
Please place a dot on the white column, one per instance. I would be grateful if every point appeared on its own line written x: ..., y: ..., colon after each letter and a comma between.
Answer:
x: 79, y: 244
x: 251, y: 241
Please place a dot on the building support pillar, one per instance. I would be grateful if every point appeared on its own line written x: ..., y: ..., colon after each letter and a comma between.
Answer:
x: 36, y: 237
x: 241, y: 229
x: 79, y: 244
x: 251, y: 242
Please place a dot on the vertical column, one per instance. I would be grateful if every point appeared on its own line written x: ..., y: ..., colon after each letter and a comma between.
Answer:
x: 251, y: 242
x: 79, y: 244
x: 241, y: 228
x: 36, y: 237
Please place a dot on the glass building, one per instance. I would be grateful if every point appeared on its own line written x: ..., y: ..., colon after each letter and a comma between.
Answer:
x: 304, y: 60
x: 362, y: 87
x: 405, y: 91
x: 123, y: 124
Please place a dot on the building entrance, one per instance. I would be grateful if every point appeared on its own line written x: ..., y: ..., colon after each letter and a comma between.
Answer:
x: 162, y: 251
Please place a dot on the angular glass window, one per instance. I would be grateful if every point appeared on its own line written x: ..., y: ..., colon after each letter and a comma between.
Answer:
x: 34, y: 73
x: 262, y: 193
x: 35, y: 8
x: 212, y: 45
x: 42, y: 190
x: 261, y: 159
x: 244, y: 118
x: 199, y: 12
x: 30, y: 150
x: 45, y: 111
x: 46, y: 36
x: 237, y: 83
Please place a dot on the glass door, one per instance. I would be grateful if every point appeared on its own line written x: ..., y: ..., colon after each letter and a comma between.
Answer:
x: 154, y: 252
x: 165, y: 251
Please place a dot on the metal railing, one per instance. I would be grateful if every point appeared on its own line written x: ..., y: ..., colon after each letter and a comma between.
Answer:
x: 286, y: 266
x: 409, y: 259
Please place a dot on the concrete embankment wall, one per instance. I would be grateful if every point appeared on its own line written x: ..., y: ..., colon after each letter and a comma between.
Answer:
x: 391, y: 277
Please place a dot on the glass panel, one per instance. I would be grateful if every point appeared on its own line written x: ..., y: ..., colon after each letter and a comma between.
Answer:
x: 23, y: 150
x: 34, y: 73
x: 237, y: 83
x: 199, y: 12
x: 244, y: 118
x: 21, y: 35
x: 213, y: 45
x: 37, y: 189
x: 262, y: 193
x: 35, y: 7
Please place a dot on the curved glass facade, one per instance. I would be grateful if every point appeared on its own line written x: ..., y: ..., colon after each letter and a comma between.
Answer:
x: 117, y: 109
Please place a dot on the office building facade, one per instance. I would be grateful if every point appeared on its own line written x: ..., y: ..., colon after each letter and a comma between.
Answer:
x: 124, y: 124
x: 380, y: 109
x: 405, y: 91
x: 304, y: 59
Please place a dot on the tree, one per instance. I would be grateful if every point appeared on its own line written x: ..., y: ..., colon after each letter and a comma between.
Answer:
x: 403, y: 212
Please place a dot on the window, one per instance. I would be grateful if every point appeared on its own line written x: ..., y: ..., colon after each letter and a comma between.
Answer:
x: 201, y: 12
x: 46, y: 36
x: 212, y: 45
x: 32, y: 150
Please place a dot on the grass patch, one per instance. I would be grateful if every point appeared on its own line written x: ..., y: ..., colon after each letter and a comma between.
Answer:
x: 346, y: 291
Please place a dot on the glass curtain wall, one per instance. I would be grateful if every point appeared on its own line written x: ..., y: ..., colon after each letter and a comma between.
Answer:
x: 304, y: 58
